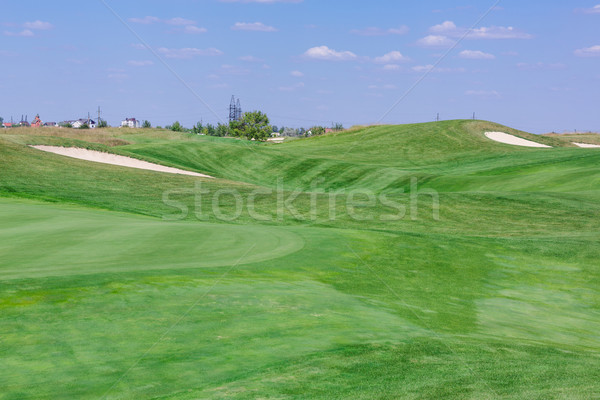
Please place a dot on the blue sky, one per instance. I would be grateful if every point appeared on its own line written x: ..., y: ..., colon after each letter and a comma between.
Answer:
x: 532, y: 65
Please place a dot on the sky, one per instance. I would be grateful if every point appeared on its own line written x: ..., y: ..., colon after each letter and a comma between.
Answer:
x: 533, y: 65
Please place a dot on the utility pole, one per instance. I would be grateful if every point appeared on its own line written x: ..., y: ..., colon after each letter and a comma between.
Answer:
x: 438, y: 118
x: 473, y: 116
x: 98, y: 122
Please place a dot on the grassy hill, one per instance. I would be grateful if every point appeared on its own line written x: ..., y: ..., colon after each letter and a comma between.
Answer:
x: 472, y: 274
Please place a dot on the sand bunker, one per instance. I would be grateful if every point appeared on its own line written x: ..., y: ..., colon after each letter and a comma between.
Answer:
x: 586, y: 145
x: 515, y: 141
x: 113, y: 159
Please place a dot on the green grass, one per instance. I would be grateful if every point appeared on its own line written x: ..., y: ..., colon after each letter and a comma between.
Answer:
x: 107, y: 292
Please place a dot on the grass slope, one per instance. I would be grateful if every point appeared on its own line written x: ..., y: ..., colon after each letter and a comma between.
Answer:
x: 101, y: 297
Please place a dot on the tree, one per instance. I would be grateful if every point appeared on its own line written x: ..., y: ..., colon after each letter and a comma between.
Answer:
x: 254, y: 125
x: 102, y: 124
x: 338, y: 127
x: 176, y: 127
x: 1, y: 121
x: 210, y: 130
x: 84, y: 126
x: 316, y: 130
x: 146, y: 124
x: 275, y: 129
x: 222, y: 130
x: 198, y: 128
x: 290, y: 132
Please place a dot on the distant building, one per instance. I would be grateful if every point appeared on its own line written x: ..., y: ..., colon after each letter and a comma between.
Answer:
x: 7, y: 125
x: 37, y: 122
x: 131, y: 123
x: 84, y: 121
x: 50, y: 124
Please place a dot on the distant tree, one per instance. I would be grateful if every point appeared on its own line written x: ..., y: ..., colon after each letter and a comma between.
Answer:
x: 1, y: 121
x: 338, y: 127
x: 282, y: 129
x: 102, y: 124
x: 176, y: 127
x: 301, y: 131
x: 317, y: 130
x: 289, y: 132
x: 84, y: 126
x: 254, y: 125
x: 146, y: 124
x: 222, y: 130
x: 210, y: 130
x: 159, y: 127
x: 275, y: 129
x: 198, y: 128
x: 66, y: 125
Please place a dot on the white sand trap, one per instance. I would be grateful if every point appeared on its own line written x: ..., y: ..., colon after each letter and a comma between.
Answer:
x: 113, y: 159
x: 515, y: 141
x: 586, y: 145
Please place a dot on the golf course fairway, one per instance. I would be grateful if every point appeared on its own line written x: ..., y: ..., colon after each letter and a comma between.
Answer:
x: 420, y: 261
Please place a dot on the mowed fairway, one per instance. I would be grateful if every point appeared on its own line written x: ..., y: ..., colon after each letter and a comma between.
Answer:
x: 41, y: 240
x: 103, y: 295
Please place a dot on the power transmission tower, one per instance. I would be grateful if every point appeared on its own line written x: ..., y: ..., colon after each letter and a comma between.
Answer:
x: 238, y: 111
x: 232, y: 110
x: 438, y: 118
x: 98, y: 122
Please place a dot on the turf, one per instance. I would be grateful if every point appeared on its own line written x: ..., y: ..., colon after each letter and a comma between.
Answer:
x: 108, y: 292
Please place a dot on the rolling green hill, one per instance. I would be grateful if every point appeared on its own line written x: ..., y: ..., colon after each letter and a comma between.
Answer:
x: 453, y: 267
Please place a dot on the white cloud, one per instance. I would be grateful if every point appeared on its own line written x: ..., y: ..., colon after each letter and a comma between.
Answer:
x: 118, y: 76
x: 476, y: 55
x: 38, y: 25
x: 144, y: 63
x: 391, y: 57
x: 146, y: 20
x: 391, y: 67
x: 255, y: 26
x: 297, y: 74
x: 194, y: 29
x: 373, y: 31
x: 386, y: 87
x: 180, y: 21
x: 227, y: 69
x: 325, y: 53
x: 251, y: 59
x: 188, y: 52
x: 483, y: 93
x: 431, y: 68
x: 24, y: 33
x: 449, y: 28
x: 435, y: 41
x: 498, y: 32
x: 540, y: 66
x: 444, y: 28
x: 298, y: 85
x: 593, y: 51
x: 593, y: 10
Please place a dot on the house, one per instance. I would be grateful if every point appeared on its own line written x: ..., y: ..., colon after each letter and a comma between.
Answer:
x: 131, y: 123
x: 7, y: 125
x: 37, y: 122
x: 84, y: 121
x: 50, y: 124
